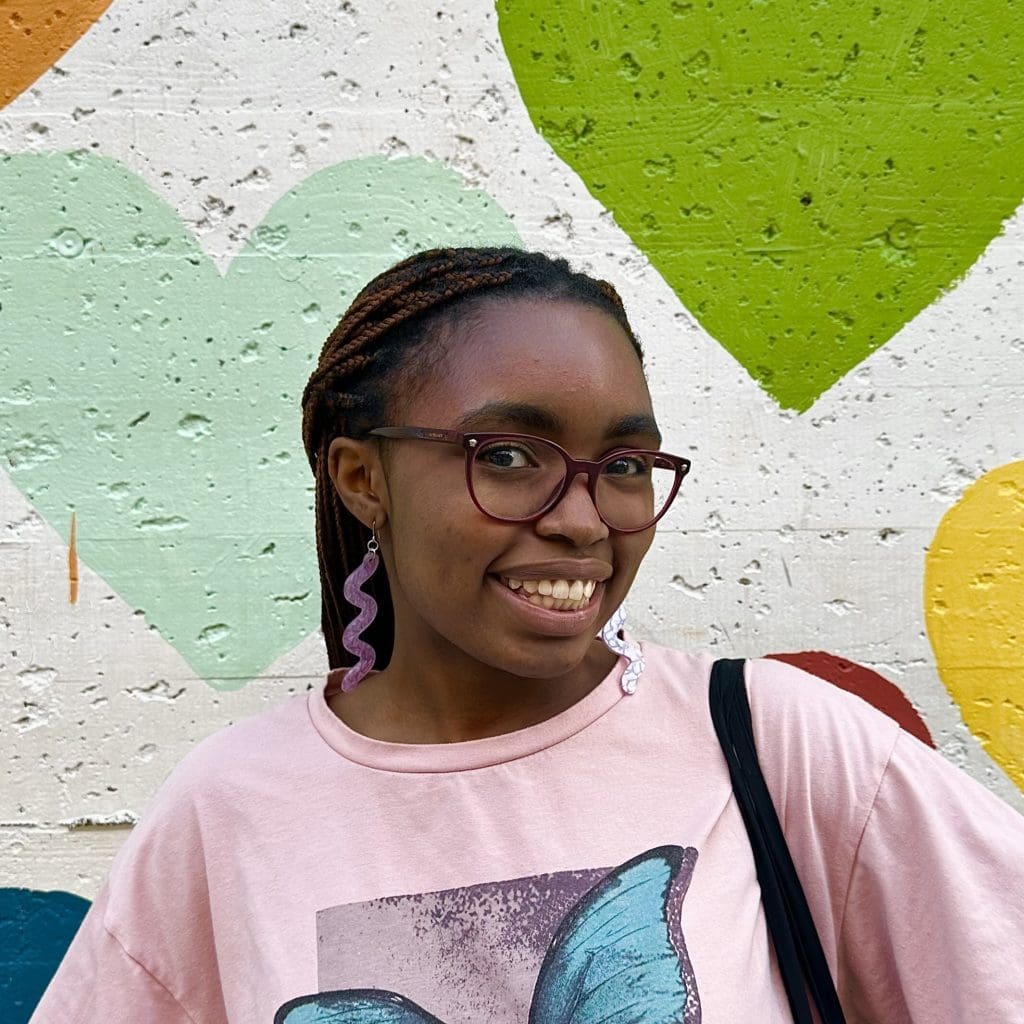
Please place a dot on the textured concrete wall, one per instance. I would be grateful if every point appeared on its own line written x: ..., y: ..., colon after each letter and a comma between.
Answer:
x: 813, y: 212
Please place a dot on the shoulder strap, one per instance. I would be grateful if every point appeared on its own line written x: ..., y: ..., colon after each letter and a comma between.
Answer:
x: 798, y: 949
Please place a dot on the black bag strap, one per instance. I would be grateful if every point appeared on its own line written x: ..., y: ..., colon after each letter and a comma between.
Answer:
x: 798, y: 949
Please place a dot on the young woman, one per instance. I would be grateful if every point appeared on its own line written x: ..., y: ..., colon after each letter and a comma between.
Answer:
x: 518, y: 814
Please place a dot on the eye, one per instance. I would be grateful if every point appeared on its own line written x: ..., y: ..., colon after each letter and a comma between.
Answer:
x: 505, y: 455
x: 629, y: 465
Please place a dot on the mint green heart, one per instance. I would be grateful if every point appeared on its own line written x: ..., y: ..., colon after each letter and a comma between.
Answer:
x: 807, y: 177
x: 159, y: 401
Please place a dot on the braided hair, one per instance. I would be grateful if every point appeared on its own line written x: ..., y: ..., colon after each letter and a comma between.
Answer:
x: 381, y: 344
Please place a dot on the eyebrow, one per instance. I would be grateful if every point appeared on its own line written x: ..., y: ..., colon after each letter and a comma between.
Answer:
x: 533, y: 417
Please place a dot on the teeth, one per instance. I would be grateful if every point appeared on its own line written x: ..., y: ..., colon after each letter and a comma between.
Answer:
x: 561, y: 595
x: 550, y: 602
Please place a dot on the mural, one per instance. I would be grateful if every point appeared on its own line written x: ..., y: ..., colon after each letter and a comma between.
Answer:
x: 153, y: 415
x: 974, y: 608
x: 804, y: 180
x: 749, y: 152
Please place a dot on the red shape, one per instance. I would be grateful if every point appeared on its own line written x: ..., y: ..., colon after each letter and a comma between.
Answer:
x: 865, y: 683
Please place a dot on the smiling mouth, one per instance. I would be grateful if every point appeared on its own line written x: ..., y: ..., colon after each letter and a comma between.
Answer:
x: 554, y: 595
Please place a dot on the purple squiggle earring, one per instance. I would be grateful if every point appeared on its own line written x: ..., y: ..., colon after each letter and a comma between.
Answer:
x: 355, y: 595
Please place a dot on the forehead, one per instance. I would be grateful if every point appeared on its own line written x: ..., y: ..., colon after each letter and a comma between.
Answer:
x: 568, y: 358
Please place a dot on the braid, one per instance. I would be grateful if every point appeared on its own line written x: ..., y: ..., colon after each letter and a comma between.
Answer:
x: 350, y: 390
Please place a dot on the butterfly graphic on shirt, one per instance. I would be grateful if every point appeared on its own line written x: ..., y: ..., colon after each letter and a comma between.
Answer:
x: 613, y: 958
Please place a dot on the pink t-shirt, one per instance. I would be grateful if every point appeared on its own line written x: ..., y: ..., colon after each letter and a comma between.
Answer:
x: 592, y: 868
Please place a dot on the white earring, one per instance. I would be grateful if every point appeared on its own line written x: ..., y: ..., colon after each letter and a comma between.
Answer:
x: 618, y: 644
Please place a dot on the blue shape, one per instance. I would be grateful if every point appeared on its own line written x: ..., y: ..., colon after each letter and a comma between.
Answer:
x: 36, y: 929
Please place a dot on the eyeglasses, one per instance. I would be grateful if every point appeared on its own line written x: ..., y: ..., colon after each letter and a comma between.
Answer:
x: 517, y: 478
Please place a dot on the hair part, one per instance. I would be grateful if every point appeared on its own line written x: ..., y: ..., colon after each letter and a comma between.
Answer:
x: 385, y: 344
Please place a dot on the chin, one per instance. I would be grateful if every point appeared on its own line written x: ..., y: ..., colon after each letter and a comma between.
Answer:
x: 548, y: 659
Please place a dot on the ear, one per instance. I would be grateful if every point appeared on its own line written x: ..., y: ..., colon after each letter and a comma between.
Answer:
x: 357, y: 474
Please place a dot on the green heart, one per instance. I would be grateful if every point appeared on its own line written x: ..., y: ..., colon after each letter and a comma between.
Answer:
x: 807, y: 176
x: 160, y: 401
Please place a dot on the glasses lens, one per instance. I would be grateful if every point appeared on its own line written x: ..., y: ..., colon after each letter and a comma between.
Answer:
x: 634, y: 489
x: 515, y: 479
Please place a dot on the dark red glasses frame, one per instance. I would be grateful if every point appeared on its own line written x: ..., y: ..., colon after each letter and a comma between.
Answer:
x: 469, y: 442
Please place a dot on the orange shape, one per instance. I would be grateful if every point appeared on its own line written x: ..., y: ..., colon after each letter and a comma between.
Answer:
x: 35, y: 34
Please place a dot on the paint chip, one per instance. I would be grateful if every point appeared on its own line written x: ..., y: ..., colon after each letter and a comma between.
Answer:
x: 72, y: 564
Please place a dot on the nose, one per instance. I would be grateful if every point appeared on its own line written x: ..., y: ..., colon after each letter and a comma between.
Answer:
x: 575, y: 517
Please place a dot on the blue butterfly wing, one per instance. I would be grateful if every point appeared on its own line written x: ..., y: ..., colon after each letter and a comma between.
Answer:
x: 613, y: 960
x: 353, y: 1006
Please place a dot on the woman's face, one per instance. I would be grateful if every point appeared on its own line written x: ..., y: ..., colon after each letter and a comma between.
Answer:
x: 556, y: 369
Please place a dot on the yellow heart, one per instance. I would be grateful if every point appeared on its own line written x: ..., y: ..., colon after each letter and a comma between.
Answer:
x: 35, y: 34
x: 974, y: 611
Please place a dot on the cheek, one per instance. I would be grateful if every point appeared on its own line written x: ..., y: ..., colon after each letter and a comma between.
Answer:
x: 441, y: 545
x: 630, y: 550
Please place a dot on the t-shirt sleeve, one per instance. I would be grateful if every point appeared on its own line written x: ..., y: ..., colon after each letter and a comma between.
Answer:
x: 934, y: 921
x: 99, y: 981
x: 146, y: 950
x: 914, y: 872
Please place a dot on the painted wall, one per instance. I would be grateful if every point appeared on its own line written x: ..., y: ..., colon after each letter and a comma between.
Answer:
x: 813, y: 213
